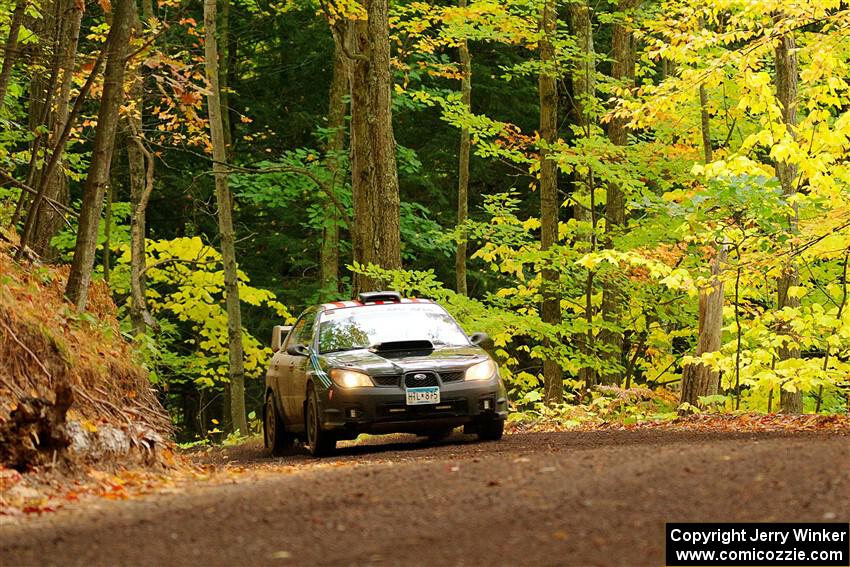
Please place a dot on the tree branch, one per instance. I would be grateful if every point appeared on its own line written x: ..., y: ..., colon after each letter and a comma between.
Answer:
x: 167, y: 261
x: 338, y: 33
x: 57, y: 206
x: 323, y: 185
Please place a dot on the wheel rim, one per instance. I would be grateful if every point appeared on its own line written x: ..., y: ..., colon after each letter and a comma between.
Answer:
x: 270, y: 422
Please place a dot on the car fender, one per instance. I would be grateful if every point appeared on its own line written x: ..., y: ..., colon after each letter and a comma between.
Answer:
x: 317, y: 373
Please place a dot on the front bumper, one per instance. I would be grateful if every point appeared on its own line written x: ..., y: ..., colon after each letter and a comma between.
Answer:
x: 383, y: 409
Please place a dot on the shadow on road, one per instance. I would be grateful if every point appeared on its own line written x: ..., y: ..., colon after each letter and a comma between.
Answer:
x: 404, y: 447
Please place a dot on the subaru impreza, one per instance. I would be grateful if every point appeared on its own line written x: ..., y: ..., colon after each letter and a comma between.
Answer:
x: 378, y: 364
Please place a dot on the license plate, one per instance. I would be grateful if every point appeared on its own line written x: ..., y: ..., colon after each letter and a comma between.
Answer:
x: 423, y: 396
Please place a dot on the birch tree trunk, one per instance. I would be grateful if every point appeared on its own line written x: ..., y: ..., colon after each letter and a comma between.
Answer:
x: 786, y: 92
x: 374, y: 177
x: 463, y: 162
x: 549, y: 201
x: 104, y: 143
x: 225, y: 225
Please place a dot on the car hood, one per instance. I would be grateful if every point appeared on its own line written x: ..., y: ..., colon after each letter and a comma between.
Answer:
x: 399, y: 362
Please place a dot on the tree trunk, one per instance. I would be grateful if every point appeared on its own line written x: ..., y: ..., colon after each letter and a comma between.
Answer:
x: 584, y: 68
x: 700, y: 379
x: 224, y: 60
x: 329, y: 261
x: 115, y: 181
x: 623, y: 70
x: 104, y: 142
x: 140, y: 165
x: 48, y: 222
x: 705, y: 123
x: 225, y: 225
x: 463, y: 162
x: 10, y: 53
x: 44, y: 52
x: 223, y: 66
x: 107, y: 232
x: 583, y: 73
x: 374, y: 179
x: 786, y: 92
x: 549, y: 201
x: 59, y: 148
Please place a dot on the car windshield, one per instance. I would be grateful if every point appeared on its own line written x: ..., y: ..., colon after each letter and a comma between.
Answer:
x: 362, y: 327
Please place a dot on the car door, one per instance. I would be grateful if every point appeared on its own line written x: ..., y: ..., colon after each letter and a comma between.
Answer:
x: 296, y: 380
x: 277, y: 365
x: 281, y: 368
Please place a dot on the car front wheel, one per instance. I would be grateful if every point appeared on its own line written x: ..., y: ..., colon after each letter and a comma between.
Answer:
x: 491, y: 429
x: 436, y: 435
x: 320, y: 443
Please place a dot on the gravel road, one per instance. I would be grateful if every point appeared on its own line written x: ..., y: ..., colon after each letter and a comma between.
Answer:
x: 590, y: 498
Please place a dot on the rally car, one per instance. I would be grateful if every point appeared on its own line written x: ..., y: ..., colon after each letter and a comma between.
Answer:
x: 380, y: 364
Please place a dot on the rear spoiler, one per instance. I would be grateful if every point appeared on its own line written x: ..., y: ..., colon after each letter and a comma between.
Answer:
x: 279, y: 334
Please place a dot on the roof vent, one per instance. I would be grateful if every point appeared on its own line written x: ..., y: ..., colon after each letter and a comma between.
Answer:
x: 374, y: 296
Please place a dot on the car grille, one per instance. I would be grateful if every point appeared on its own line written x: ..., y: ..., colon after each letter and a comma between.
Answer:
x: 411, y: 382
x: 429, y: 380
x: 451, y: 376
x: 391, y: 380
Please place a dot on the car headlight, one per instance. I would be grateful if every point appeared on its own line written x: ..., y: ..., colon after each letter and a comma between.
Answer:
x: 350, y: 378
x: 481, y: 371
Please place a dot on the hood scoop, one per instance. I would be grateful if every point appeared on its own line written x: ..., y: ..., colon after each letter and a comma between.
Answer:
x: 402, y: 347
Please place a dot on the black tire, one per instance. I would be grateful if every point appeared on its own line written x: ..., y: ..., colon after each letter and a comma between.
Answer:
x: 491, y: 429
x: 320, y: 443
x: 275, y: 436
x: 436, y: 435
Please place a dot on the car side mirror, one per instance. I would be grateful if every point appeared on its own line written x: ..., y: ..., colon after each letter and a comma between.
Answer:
x: 479, y: 339
x: 279, y: 334
x: 297, y: 350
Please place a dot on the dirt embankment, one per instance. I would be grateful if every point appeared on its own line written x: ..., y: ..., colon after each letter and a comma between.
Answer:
x: 71, y: 390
